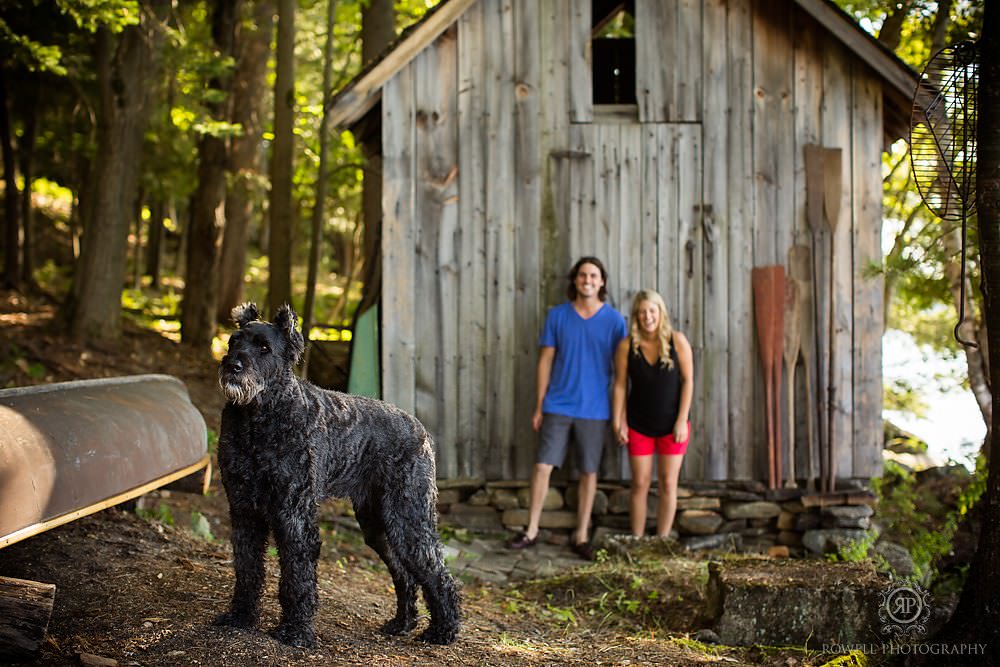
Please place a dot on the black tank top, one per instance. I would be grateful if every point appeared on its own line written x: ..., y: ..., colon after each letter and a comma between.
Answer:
x: 654, y: 394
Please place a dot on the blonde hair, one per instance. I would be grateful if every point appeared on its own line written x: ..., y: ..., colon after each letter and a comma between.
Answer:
x: 665, y: 333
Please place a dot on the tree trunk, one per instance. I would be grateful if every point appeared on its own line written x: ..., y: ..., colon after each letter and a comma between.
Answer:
x: 253, y: 44
x: 378, y: 28
x: 977, y: 617
x: 125, y: 63
x: 12, y: 212
x: 26, y: 153
x: 208, y: 212
x: 939, y: 31
x: 892, y: 27
x: 969, y: 328
x: 319, y: 207
x: 282, y: 214
x: 377, y: 31
x: 153, y: 252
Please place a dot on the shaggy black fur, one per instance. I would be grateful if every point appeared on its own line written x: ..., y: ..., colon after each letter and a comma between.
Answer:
x: 284, y: 446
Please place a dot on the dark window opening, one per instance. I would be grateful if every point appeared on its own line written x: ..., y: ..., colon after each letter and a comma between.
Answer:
x: 613, y: 51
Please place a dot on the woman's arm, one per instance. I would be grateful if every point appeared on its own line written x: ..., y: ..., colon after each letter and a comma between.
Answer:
x: 684, y: 359
x: 619, y: 422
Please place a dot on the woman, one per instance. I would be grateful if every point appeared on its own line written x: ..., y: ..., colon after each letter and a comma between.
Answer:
x: 653, y: 368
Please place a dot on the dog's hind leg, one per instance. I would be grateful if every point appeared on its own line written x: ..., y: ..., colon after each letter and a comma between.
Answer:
x: 249, y: 537
x: 373, y: 528
x: 297, y: 535
x: 412, y: 533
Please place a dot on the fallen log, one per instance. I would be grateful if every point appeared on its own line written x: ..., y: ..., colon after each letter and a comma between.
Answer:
x: 25, y: 610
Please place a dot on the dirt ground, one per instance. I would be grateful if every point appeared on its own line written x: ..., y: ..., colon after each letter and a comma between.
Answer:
x: 143, y: 589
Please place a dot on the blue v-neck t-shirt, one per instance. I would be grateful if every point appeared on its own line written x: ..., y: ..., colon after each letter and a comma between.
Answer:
x: 584, y: 361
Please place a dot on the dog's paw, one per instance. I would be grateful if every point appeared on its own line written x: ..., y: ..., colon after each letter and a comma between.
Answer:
x: 301, y: 636
x: 439, y: 634
x: 236, y: 620
x: 398, y: 626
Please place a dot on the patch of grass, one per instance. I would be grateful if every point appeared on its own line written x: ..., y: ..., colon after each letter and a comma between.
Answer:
x: 633, y: 593
x: 161, y: 514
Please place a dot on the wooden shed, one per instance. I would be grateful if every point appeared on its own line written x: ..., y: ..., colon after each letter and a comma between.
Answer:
x: 667, y: 137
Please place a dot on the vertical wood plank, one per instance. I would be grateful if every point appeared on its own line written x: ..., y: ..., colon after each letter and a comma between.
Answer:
x: 500, y: 243
x: 837, y: 93
x: 581, y: 102
x: 808, y: 104
x: 472, y: 406
x: 690, y: 311
x: 670, y: 250
x: 398, y: 318
x: 554, y: 102
x: 867, y: 328
x: 528, y: 150
x: 656, y: 44
x: 689, y: 81
x: 743, y: 364
x: 712, y: 387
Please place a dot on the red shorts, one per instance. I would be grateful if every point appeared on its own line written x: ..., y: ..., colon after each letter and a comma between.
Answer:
x: 644, y: 445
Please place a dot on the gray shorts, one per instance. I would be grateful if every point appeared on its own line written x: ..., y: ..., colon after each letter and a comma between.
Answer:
x: 588, y: 434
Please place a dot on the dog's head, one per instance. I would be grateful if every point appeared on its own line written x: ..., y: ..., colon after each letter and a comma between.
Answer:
x: 261, y: 354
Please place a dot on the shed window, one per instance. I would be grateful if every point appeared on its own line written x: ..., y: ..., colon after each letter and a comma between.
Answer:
x: 613, y: 51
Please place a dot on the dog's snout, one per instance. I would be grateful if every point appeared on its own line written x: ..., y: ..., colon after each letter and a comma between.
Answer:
x: 232, y: 364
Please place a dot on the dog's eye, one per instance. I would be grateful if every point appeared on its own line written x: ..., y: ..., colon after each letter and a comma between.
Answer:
x: 264, y: 349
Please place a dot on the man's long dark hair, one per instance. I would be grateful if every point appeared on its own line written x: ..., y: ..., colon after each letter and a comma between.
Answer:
x: 602, y: 294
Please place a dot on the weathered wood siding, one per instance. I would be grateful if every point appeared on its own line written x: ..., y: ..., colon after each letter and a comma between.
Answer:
x: 499, y: 173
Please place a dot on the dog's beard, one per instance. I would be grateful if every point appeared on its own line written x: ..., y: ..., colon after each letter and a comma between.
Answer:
x: 241, y: 389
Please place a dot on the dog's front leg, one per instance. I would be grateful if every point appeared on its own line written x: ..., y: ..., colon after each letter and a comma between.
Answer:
x: 249, y: 538
x: 297, y: 535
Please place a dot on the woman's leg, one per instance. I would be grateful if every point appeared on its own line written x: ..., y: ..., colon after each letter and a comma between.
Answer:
x: 668, y: 471
x: 642, y: 473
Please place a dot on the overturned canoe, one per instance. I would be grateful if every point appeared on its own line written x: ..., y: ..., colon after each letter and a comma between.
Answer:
x: 73, y: 448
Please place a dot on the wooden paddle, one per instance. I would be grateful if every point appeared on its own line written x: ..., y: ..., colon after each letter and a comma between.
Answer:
x: 791, y: 356
x: 769, y: 308
x: 800, y: 272
x: 832, y: 182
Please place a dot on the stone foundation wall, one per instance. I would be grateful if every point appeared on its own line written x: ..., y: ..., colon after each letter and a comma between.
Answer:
x: 742, y: 515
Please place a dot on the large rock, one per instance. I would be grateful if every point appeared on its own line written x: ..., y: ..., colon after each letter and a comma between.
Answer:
x: 473, y: 518
x: 898, y: 558
x: 721, y: 541
x: 848, y: 511
x: 600, y: 500
x: 553, y: 499
x: 698, y: 522
x: 824, y: 540
x: 698, y: 503
x: 557, y: 519
x: 754, y: 510
x: 793, y: 603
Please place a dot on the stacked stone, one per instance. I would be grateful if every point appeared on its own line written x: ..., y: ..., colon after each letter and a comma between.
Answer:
x: 745, y: 516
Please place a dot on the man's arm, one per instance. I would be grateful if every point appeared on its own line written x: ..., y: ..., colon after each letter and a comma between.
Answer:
x: 543, y: 373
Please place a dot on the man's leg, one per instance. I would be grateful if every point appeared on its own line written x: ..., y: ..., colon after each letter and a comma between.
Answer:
x: 539, y: 487
x: 587, y: 490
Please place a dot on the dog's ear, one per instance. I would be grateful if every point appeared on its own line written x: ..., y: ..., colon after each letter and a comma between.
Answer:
x: 286, y: 320
x: 244, y: 314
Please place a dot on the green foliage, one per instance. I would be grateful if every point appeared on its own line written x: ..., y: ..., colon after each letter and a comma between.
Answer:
x: 201, y: 527
x: 855, y: 551
x: 922, y: 523
x: 161, y: 514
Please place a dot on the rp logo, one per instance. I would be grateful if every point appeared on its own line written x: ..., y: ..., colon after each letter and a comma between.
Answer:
x: 904, y: 609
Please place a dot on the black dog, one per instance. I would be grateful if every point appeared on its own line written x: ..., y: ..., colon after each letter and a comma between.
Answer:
x: 285, y: 445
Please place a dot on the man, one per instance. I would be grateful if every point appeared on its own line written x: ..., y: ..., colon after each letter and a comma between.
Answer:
x: 572, y: 380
